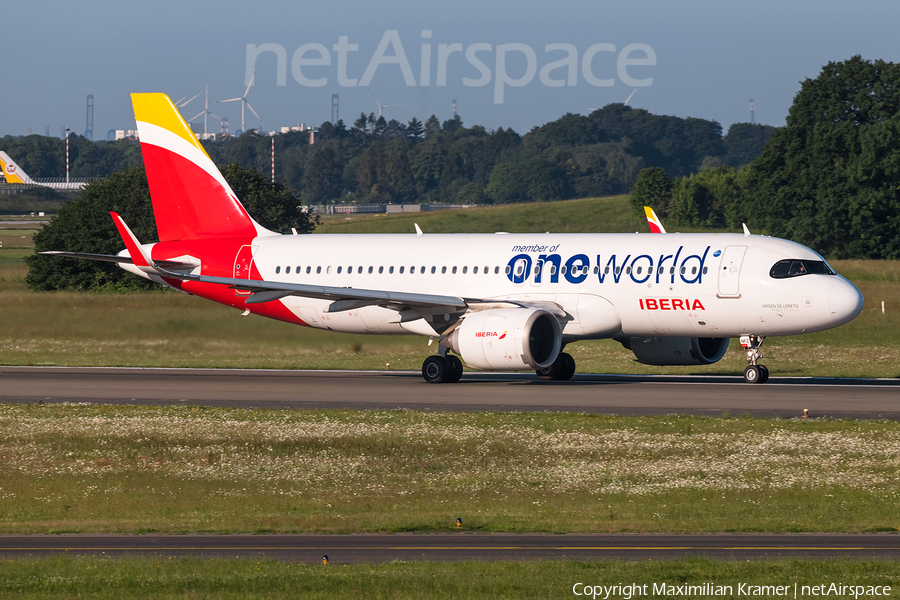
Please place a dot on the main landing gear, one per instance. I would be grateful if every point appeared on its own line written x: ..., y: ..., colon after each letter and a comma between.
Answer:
x: 442, y: 369
x: 562, y: 368
x: 754, y: 373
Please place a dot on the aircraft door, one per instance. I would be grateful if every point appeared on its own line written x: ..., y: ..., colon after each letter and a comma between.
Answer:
x: 730, y: 271
x: 243, y: 265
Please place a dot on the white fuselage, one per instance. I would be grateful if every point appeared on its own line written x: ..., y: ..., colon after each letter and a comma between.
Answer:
x: 610, y: 285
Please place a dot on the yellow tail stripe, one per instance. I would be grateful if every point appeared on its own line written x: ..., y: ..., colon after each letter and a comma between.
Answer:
x: 158, y: 109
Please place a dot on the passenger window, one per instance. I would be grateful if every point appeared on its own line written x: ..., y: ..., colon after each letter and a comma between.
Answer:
x: 639, y: 270
x: 562, y: 270
x: 519, y: 271
x: 584, y: 270
x: 297, y: 270
x: 277, y: 270
x: 705, y: 270
x: 660, y: 271
x: 508, y: 269
x: 308, y: 270
x: 671, y: 270
x: 618, y: 270
x: 391, y: 270
x: 693, y: 270
x: 474, y: 270
x: 596, y: 270
x: 370, y: 270
x: 628, y: 270
x: 339, y: 270
x: 318, y: 270
x: 682, y: 270
x: 553, y: 269
x: 443, y: 270
x: 401, y: 270
x: 537, y: 269
x: 433, y: 270
x: 497, y: 270
x: 328, y: 270
x: 380, y: 270
x: 465, y: 270
x: 454, y: 270
x: 606, y: 271
x: 287, y: 270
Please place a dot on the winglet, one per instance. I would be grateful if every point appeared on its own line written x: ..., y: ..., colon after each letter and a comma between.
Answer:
x: 131, y: 243
x: 655, y: 224
x: 418, y: 229
x: 746, y: 231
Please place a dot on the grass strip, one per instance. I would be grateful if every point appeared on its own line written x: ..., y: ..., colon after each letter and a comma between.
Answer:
x: 91, y: 468
x: 163, y: 577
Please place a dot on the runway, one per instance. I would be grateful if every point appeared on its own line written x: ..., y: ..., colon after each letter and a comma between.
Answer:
x: 382, y: 548
x: 619, y: 394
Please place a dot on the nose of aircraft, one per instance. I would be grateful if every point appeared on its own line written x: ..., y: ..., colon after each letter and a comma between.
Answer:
x: 844, y: 302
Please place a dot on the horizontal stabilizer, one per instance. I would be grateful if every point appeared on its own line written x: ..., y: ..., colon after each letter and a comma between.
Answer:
x: 166, y: 264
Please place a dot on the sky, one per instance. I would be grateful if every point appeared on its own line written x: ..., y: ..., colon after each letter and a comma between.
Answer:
x: 703, y: 58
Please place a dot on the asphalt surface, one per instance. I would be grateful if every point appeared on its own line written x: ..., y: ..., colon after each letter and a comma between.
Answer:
x: 619, y: 394
x: 374, y: 548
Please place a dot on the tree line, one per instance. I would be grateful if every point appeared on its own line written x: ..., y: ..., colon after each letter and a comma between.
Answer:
x: 829, y: 179
x: 385, y: 161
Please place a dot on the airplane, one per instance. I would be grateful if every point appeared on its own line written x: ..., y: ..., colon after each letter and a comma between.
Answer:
x: 15, y: 174
x: 499, y: 302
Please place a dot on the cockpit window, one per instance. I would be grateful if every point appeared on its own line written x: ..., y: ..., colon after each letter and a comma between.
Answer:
x: 795, y: 268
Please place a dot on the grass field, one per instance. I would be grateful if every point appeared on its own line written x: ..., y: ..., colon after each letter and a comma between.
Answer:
x: 163, y: 578
x: 86, y: 468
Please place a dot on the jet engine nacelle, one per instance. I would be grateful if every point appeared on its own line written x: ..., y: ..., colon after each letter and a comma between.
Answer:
x: 676, y: 350
x: 515, y: 339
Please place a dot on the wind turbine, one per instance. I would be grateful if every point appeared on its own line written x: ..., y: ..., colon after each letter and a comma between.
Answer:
x: 380, y: 105
x: 244, y: 102
x: 205, y: 112
x: 182, y: 103
x: 625, y: 103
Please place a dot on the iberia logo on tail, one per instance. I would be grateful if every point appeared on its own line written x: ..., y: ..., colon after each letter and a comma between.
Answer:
x: 502, y: 335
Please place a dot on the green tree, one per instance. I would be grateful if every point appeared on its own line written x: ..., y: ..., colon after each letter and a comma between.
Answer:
x: 830, y: 178
x: 84, y: 225
x: 653, y: 188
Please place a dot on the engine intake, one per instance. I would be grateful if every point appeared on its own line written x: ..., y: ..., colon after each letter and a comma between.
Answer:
x: 516, y: 339
x: 676, y: 350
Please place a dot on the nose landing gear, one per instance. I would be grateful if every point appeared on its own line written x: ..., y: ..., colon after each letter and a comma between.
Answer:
x: 754, y: 373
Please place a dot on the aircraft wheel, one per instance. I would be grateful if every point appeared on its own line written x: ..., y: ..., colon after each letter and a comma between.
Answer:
x: 764, y: 373
x: 435, y: 369
x: 562, y: 368
x: 566, y: 366
x: 456, y: 369
x: 753, y: 374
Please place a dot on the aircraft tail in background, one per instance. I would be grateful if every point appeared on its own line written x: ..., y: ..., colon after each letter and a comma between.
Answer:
x: 656, y: 225
x: 15, y: 174
x: 191, y: 199
x: 11, y: 170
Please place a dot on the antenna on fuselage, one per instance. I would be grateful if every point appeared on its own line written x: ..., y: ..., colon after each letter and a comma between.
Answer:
x: 746, y: 231
x: 418, y: 230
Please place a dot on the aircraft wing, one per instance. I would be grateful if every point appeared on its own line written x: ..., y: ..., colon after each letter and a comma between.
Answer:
x: 344, y: 298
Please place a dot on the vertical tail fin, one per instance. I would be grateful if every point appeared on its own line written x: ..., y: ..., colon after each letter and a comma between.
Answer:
x: 191, y: 199
x: 12, y: 171
x: 656, y: 225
